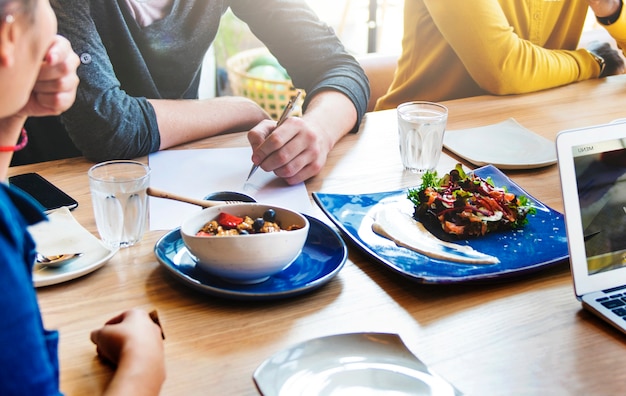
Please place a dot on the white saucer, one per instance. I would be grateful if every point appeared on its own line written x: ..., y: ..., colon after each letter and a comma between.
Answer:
x: 63, y: 234
x: 349, y: 364
x: 506, y: 145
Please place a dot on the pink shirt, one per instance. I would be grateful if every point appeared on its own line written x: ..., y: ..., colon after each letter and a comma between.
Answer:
x: 146, y: 12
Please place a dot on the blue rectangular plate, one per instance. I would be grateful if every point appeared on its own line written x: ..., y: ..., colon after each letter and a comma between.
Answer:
x: 540, y: 244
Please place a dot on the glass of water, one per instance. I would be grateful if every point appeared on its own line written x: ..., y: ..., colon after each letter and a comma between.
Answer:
x: 421, y: 126
x: 120, y: 203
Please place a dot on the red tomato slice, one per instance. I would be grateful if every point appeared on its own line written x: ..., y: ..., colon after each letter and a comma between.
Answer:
x: 227, y: 220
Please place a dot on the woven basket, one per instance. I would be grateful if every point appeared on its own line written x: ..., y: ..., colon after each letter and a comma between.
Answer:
x: 271, y: 95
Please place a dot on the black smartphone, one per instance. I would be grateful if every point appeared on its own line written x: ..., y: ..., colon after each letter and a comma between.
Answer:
x: 48, y: 195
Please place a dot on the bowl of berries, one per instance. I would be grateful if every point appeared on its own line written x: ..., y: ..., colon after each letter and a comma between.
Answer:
x: 245, y: 242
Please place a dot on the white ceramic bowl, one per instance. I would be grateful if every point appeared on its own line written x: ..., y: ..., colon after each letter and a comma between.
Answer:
x: 249, y: 258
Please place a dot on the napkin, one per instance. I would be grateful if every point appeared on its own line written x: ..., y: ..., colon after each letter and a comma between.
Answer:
x: 63, y: 234
x: 506, y: 145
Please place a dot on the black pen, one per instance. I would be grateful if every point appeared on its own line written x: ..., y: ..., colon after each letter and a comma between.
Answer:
x: 286, y: 113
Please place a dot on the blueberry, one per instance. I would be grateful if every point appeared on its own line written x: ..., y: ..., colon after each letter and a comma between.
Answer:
x: 258, y: 224
x: 270, y: 215
x: 243, y: 232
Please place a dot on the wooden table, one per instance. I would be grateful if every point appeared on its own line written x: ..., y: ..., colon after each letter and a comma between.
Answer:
x: 524, y: 336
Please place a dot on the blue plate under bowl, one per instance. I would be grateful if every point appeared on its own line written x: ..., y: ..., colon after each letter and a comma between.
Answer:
x: 323, y: 255
x: 538, y: 245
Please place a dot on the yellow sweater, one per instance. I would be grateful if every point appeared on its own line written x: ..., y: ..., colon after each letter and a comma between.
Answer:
x: 460, y: 48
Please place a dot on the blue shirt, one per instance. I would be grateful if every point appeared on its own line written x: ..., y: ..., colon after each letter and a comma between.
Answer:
x: 28, y: 352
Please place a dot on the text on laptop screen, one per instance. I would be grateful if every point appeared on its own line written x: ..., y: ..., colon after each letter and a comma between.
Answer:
x: 601, y: 183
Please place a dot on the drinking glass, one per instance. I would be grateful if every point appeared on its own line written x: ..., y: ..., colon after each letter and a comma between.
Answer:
x: 120, y: 203
x: 421, y: 126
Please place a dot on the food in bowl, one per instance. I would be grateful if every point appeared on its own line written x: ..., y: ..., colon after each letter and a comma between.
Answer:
x: 248, y: 258
x: 229, y: 224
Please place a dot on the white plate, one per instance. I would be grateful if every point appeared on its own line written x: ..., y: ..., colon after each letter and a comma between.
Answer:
x: 506, y: 145
x: 349, y: 364
x: 63, y: 234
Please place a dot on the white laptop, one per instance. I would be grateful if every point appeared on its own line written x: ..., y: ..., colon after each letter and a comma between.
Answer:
x: 592, y: 166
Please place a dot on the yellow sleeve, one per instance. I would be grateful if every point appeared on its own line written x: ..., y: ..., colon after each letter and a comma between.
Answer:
x: 618, y: 30
x: 496, y: 57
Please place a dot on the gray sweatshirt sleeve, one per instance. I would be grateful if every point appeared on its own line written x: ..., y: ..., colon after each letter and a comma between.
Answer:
x: 105, y: 122
x: 307, y: 47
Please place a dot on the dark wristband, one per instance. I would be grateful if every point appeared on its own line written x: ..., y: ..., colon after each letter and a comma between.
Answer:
x: 611, y: 19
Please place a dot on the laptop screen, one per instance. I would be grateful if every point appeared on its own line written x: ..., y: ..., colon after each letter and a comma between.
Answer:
x: 601, y: 183
x: 592, y: 167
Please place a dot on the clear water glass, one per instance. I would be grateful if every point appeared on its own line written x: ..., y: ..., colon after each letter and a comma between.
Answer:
x: 120, y: 202
x: 421, y: 126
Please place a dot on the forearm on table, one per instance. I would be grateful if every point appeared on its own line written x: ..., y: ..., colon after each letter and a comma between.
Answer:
x: 332, y: 112
x: 498, y: 60
x: 138, y: 377
x: 182, y: 121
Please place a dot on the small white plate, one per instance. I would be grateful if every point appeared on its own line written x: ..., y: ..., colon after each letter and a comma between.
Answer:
x: 349, y: 364
x: 506, y: 145
x: 63, y: 234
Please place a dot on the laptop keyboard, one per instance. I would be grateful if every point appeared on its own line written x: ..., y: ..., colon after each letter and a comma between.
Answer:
x: 616, y: 303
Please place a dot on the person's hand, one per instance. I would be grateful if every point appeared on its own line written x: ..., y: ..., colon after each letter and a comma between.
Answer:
x: 295, y: 152
x: 131, y: 332
x: 132, y: 342
x: 612, y: 59
x: 298, y: 149
x: 55, y: 88
x: 604, y: 8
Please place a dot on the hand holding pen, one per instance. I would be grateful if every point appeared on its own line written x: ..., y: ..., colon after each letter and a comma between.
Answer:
x: 286, y: 113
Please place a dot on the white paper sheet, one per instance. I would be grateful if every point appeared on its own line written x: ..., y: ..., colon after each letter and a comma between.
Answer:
x: 197, y: 173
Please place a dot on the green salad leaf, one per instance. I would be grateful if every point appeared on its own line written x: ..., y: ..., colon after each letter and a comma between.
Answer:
x: 468, y: 205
